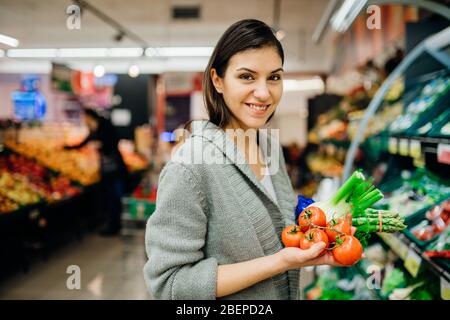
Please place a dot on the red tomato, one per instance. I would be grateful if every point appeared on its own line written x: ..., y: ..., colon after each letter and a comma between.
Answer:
x: 310, y: 217
x: 291, y: 236
x: 348, y: 250
x: 312, y: 236
x: 336, y: 227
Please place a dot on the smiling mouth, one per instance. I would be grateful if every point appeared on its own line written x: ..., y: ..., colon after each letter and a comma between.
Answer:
x: 258, y: 107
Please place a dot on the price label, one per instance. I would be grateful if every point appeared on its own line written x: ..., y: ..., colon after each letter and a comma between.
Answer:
x: 403, y: 147
x: 415, y: 149
x: 443, y: 153
x: 392, y: 145
x: 419, y: 162
x: 413, y: 262
x: 445, y: 289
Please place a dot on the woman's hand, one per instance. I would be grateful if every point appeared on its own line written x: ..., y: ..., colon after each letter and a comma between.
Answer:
x: 294, y: 258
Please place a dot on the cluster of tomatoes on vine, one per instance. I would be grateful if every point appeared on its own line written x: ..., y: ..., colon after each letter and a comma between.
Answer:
x: 312, y: 227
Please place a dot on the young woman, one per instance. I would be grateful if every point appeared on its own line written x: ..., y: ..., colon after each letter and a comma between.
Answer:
x: 221, y: 204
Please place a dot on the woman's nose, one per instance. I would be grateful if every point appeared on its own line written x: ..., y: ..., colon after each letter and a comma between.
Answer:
x: 262, y: 92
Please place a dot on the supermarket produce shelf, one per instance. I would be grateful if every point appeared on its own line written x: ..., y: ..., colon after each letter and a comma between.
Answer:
x: 412, y: 255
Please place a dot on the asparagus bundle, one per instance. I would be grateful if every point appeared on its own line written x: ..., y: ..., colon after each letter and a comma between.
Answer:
x: 379, y: 221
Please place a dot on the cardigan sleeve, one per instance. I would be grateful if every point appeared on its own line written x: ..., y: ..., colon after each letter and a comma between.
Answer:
x: 175, y: 236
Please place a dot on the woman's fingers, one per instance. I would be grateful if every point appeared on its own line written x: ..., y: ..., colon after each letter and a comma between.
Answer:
x: 314, y: 251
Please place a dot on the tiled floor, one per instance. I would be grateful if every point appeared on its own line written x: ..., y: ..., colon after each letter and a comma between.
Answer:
x: 110, y: 268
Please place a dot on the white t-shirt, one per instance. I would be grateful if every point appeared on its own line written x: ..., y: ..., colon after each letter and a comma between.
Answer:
x: 267, y: 183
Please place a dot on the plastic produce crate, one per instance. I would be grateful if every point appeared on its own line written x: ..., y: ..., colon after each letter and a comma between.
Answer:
x: 415, y: 219
x: 139, y: 209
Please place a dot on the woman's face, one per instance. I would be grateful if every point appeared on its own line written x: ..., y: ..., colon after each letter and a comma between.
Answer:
x: 251, y: 87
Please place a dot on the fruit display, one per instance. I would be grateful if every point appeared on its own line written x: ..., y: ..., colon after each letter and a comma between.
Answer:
x: 16, y: 188
x: 78, y: 165
x: 324, y: 165
x: 134, y: 161
x: 26, y: 182
x: 7, y: 205
x: 377, y: 123
x: 440, y: 248
x: 436, y: 220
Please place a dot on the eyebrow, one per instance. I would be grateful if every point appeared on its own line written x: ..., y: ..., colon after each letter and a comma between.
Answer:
x: 252, y: 71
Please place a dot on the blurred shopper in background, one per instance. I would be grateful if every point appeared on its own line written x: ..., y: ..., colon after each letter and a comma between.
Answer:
x: 112, y: 167
x: 394, y: 61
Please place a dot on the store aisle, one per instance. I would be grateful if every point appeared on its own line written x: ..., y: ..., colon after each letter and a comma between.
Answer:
x: 111, y: 268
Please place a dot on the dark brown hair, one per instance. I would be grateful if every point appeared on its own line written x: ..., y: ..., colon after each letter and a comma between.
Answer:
x: 241, y: 36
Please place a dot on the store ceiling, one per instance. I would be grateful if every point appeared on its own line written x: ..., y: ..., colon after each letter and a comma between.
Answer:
x: 42, y: 24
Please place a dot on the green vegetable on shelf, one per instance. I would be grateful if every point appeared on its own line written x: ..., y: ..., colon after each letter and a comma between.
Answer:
x: 393, y: 280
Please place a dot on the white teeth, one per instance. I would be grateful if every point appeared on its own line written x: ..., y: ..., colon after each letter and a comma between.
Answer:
x: 259, y: 108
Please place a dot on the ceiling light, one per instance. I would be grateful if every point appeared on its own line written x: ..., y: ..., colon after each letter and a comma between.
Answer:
x: 125, y: 52
x: 180, y: 51
x: 133, y: 71
x: 9, y: 41
x: 152, y: 52
x: 31, y: 53
x: 83, y: 52
x: 99, y: 71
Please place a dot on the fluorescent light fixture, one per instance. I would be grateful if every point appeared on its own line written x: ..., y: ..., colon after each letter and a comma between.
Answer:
x: 111, y: 52
x: 2, y: 53
x: 133, y: 71
x: 303, y: 85
x: 83, y: 53
x: 99, y: 71
x: 179, y: 51
x: 31, y: 53
x: 9, y: 41
x: 125, y: 52
x: 346, y: 14
x: 152, y: 52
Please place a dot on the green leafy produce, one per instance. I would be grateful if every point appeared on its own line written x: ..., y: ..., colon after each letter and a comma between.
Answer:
x: 393, y: 280
x: 421, y: 294
x: 336, y: 294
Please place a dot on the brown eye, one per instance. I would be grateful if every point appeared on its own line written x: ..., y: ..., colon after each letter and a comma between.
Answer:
x: 246, y: 76
x: 275, y: 77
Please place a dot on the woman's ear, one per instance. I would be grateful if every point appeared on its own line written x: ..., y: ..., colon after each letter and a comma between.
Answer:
x: 216, y: 80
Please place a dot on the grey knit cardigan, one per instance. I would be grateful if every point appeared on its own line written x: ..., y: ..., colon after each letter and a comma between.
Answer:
x: 214, y: 212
